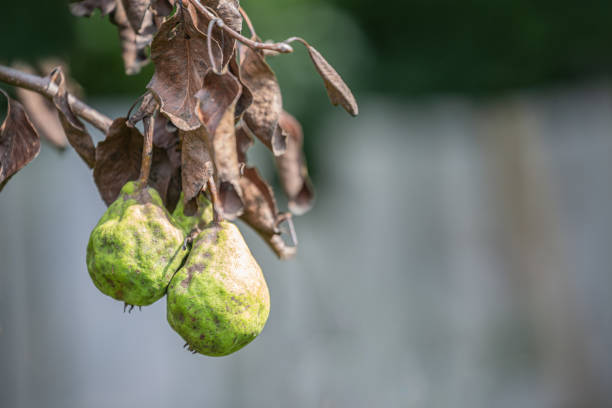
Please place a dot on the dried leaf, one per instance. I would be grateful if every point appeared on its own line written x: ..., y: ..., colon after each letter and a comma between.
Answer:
x: 86, y: 8
x: 136, y: 11
x: 40, y: 109
x: 19, y: 142
x: 261, y: 212
x: 118, y: 160
x: 44, y: 116
x: 197, y: 165
x: 162, y: 8
x: 244, y: 141
x: 219, y: 93
x: 77, y: 135
x: 228, y: 11
x: 292, y: 168
x: 339, y: 93
x: 180, y: 55
x: 263, y: 114
x: 148, y: 105
x: 215, y: 108
x: 246, y: 97
x: 133, y: 44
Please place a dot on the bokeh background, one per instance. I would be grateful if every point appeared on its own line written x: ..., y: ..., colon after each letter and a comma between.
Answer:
x: 459, y: 254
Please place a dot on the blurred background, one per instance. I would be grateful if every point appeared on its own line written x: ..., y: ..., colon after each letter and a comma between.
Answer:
x: 459, y: 253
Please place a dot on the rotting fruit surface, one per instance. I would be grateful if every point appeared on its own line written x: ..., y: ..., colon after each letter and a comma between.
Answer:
x: 136, y: 247
x: 219, y: 300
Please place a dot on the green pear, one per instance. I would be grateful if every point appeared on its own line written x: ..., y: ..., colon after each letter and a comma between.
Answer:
x: 219, y: 300
x: 201, y: 218
x: 136, y: 247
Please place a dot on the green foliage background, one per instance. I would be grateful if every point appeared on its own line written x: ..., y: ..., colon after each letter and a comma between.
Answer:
x: 410, y: 48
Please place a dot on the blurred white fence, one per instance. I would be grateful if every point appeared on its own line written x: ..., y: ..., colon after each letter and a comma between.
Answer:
x: 458, y: 256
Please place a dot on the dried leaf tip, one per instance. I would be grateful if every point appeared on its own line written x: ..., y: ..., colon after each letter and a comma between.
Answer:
x: 19, y: 141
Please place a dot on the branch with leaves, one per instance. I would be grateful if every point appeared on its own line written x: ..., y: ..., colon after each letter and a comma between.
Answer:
x: 212, y: 94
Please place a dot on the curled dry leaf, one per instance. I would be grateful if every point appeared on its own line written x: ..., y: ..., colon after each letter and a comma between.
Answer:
x: 77, y: 135
x: 133, y: 43
x: 197, y: 166
x: 228, y: 11
x: 41, y: 111
x: 246, y: 97
x: 162, y: 8
x: 292, y: 168
x: 19, y: 142
x: 118, y: 160
x: 244, y: 141
x: 261, y: 212
x: 263, y: 114
x: 166, y: 138
x: 44, y: 116
x: 137, y: 14
x: 147, y: 105
x: 339, y: 93
x: 86, y: 8
x: 180, y: 55
x: 216, y: 104
x: 219, y: 94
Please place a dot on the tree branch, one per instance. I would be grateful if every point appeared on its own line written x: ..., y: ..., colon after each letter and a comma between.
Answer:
x: 45, y: 87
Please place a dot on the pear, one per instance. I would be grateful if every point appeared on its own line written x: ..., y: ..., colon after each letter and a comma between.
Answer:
x: 136, y: 247
x: 219, y: 300
x: 201, y: 217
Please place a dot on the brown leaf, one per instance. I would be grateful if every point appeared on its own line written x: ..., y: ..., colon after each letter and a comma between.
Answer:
x: 292, y: 168
x: 147, y: 106
x: 137, y: 14
x: 246, y: 97
x: 263, y: 114
x: 339, y: 93
x: 180, y: 55
x: 77, y: 135
x: 40, y: 109
x: 228, y: 11
x: 133, y: 44
x: 215, y: 108
x: 118, y: 160
x: 196, y: 159
x: 44, y: 116
x: 244, y: 141
x: 86, y: 8
x: 261, y: 212
x: 219, y: 93
x: 162, y: 8
x: 19, y: 142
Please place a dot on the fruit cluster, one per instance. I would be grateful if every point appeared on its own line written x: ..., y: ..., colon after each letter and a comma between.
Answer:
x: 217, y: 297
x: 173, y: 188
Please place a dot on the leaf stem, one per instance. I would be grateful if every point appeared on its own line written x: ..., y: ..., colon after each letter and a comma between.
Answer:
x: 278, y: 47
x: 43, y: 86
x: 248, y: 22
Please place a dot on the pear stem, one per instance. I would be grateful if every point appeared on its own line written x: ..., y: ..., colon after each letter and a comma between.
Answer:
x: 214, y: 197
x: 147, y: 150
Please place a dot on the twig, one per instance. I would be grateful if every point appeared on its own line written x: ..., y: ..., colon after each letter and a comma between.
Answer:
x: 278, y: 47
x: 44, y: 87
x: 248, y: 22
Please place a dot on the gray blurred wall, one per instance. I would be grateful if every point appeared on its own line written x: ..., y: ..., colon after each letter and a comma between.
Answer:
x: 458, y: 256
